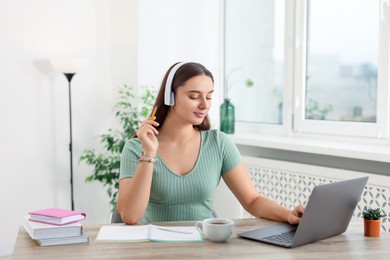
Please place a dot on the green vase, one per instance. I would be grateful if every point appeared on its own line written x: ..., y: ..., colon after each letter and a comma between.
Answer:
x: 227, y: 117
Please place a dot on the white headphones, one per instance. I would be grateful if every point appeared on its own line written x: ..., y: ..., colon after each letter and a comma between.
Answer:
x: 169, y: 96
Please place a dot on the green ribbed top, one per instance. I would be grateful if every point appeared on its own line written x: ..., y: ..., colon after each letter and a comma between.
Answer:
x: 188, y: 197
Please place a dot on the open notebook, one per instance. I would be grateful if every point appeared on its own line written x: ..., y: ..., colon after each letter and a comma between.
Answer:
x: 149, y: 232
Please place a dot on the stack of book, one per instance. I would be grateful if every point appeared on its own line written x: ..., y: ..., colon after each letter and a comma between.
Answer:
x: 55, y: 226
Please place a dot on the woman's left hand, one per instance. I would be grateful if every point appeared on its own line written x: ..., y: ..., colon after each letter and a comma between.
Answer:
x: 295, y: 215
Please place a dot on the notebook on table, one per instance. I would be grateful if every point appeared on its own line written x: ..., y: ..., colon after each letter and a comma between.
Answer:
x: 328, y: 213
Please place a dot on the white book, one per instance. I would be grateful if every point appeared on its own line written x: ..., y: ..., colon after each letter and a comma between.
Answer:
x: 84, y: 238
x: 149, y: 232
x: 38, y: 230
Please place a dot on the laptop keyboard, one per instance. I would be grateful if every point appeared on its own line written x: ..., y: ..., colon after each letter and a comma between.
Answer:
x: 284, y: 238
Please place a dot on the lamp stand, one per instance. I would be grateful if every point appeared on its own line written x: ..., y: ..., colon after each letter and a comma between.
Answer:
x: 69, y: 76
x: 69, y: 67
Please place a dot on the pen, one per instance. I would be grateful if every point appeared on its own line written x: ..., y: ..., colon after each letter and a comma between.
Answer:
x: 175, y: 231
x: 153, y: 113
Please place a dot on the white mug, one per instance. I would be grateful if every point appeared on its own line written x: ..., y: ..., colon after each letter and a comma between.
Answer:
x: 215, y: 229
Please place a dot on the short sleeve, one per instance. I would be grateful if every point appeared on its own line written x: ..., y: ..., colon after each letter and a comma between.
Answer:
x: 129, y: 160
x: 231, y: 156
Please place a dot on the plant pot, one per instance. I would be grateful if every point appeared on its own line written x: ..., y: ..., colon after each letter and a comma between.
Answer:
x: 372, y: 228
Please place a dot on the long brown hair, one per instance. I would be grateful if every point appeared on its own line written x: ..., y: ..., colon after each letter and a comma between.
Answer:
x: 184, y: 73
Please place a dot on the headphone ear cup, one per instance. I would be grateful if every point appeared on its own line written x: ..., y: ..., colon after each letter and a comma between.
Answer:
x: 172, y: 98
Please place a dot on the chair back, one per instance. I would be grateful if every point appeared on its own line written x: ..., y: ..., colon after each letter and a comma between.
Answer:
x: 116, y: 217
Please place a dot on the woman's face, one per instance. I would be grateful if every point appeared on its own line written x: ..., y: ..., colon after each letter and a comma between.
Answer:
x: 193, y: 99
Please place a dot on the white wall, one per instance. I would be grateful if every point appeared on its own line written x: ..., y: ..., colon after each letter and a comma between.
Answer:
x: 124, y: 42
x: 131, y: 42
x: 34, y: 132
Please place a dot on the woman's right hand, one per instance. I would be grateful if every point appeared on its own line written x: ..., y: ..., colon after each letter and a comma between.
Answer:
x: 147, y: 135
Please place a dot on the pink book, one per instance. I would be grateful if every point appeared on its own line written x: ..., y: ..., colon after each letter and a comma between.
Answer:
x: 56, y: 216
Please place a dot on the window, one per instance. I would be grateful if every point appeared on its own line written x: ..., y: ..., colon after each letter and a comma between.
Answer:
x: 318, y: 66
x: 341, y: 75
x: 254, y: 54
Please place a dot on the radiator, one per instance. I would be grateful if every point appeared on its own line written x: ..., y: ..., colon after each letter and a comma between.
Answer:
x: 290, y: 184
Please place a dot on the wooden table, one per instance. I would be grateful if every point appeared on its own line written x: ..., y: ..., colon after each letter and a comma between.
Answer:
x: 350, y: 245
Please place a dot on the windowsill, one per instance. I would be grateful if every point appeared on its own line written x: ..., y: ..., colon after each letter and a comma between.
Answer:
x: 380, y: 153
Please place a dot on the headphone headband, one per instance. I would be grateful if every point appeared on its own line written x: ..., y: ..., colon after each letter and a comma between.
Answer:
x: 169, y: 97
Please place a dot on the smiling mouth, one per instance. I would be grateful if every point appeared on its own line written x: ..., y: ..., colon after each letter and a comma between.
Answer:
x: 200, y: 114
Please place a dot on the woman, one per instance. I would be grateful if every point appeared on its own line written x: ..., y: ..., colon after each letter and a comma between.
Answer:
x: 170, y: 171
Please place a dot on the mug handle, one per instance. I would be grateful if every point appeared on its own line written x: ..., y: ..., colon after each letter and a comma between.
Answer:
x: 199, y: 226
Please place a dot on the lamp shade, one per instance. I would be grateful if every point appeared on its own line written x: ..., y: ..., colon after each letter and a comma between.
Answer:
x: 68, y: 65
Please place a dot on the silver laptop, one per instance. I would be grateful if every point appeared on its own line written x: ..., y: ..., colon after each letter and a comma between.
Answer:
x: 328, y: 213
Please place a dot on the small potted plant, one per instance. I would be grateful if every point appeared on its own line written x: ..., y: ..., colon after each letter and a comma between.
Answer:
x: 372, y: 221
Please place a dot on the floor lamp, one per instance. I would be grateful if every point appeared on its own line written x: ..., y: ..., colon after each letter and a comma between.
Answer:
x: 69, y: 68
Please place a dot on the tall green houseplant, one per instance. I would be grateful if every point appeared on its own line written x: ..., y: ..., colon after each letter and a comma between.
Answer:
x: 107, y: 163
